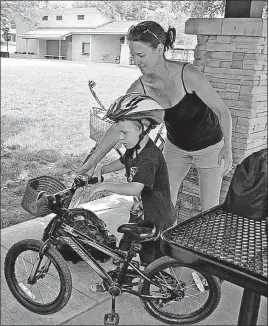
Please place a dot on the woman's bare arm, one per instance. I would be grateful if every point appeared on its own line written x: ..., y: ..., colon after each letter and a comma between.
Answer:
x: 197, y: 82
x: 112, y: 167
x: 109, y: 140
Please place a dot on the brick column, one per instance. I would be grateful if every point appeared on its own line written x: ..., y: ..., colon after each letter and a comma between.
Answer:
x: 232, y: 53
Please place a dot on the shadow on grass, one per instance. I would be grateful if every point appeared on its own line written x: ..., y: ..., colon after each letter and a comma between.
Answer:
x: 18, y: 165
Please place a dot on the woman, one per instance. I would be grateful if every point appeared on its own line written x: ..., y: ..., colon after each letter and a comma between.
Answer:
x: 198, y: 123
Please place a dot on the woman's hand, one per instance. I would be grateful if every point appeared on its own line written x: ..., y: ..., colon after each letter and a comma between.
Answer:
x: 98, y: 173
x: 226, y: 155
x: 87, y: 168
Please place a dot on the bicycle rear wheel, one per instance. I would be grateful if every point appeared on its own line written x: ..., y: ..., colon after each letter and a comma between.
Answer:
x: 194, y: 296
x: 53, y: 284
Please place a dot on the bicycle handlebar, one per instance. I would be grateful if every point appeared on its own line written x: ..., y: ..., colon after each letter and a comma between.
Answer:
x: 79, y: 181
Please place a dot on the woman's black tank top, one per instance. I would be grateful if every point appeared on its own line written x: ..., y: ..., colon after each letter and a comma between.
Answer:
x: 191, y: 125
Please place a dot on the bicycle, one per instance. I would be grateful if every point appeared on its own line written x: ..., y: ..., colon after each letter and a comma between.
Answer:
x: 40, y: 280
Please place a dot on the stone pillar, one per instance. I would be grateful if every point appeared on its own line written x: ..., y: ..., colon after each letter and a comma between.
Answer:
x: 232, y: 53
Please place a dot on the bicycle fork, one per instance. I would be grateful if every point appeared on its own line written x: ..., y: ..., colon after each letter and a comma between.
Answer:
x: 37, y: 273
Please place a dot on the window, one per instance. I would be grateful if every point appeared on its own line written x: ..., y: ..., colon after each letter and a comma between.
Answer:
x: 45, y: 18
x: 85, y: 48
x: 80, y: 17
x: 59, y: 17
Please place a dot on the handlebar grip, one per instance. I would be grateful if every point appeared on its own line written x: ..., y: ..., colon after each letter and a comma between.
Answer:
x: 82, y: 181
x: 94, y: 180
x: 35, y: 207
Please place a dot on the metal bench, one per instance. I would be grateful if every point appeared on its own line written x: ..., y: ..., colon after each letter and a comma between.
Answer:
x: 52, y: 56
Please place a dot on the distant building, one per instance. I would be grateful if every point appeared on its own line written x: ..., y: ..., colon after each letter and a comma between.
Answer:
x: 78, y: 34
x: 181, y: 52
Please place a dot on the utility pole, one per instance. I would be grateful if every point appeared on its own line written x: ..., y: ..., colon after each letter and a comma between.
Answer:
x: 6, y: 36
x: 146, y: 10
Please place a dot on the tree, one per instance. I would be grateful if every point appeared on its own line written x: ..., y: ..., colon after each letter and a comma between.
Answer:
x: 6, y: 35
x: 206, y: 8
x: 27, y: 10
x: 116, y: 10
x: 202, y: 9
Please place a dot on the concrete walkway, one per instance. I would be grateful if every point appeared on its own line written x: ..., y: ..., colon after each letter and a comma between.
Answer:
x: 88, y: 308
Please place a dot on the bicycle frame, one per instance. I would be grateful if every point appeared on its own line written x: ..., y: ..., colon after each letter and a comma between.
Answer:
x: 75, y: 239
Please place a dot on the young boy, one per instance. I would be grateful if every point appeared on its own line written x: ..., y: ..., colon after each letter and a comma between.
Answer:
x: 135, y: 115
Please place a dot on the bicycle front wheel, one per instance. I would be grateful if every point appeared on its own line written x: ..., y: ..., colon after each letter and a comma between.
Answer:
x: 186, y: 295
x: 52, y: 285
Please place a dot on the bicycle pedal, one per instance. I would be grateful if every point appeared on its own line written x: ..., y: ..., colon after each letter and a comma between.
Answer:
x: 111, y: 318
x: 116, y: 262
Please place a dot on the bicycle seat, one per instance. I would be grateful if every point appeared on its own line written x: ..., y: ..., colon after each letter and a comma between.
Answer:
x: 139, y: 231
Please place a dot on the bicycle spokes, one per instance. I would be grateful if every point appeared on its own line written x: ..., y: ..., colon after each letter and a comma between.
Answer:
x: 44, y: 284
x: 182, y: 294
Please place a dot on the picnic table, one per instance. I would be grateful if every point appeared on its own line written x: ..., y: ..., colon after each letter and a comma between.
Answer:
x: 229, y: 246
x: 52, y: 56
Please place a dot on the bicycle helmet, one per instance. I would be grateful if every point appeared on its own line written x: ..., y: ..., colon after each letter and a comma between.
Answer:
x: 135, y: 106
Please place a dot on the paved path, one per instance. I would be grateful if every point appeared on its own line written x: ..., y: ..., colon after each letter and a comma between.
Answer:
x: 88, y: 308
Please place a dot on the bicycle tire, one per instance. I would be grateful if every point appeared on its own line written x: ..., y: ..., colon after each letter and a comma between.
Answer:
x: 26, y: 294
x: 213, y: 292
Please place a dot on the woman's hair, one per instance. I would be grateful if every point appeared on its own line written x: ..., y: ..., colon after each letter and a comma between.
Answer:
x: 153, y: 34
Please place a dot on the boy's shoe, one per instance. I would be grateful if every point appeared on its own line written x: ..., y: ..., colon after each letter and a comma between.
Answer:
x: 98, y: 287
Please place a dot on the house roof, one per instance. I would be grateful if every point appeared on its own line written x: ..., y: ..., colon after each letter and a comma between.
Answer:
x: 118, y: 28
x: 46, y: 34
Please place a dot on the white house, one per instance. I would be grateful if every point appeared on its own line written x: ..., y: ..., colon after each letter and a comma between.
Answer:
x: 78, y: 34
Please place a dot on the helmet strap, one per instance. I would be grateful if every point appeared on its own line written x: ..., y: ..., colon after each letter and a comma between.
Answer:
x: 144, y: 132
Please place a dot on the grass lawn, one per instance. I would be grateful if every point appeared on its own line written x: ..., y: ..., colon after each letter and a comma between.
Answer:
x: 45, y: 108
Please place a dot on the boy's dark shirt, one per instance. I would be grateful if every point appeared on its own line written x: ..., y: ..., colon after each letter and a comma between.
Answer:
x: 149, y: 168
